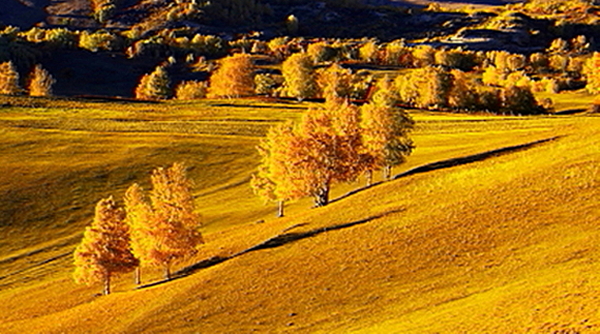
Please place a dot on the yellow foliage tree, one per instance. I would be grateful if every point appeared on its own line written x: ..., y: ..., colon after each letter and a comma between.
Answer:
x: 40, y: 82
x: 9, y: 79
x: 154, y: 86
x: 275, y: 180
x: 233, y: 78
x: 592, y: 73
x: 164, y: 230
x: 190, y: 90
x: 299, y: 76
x: 384, y: 131
x: 104, y: 250
x: 369, y: 51
x: 140, y: 220
x: 462, y: 95
x: 335, y: 82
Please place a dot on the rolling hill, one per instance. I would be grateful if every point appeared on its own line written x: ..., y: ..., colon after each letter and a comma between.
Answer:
x: 462, y: 241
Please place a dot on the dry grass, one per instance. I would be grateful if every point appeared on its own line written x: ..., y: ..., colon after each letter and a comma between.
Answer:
x: 503, y: 245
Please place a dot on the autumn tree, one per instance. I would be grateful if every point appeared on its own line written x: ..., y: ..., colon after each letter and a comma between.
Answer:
x: 462, y: 95
x: 155, y: 85
x: 174, y: 231
x: 140, y: 219
x: 327, y: 148
x: 9, y: 79
x: 335, y: 81
x: 299, y: 76
x: 306, y: 159
x: 233, y: 78
x: 592, y: 73
x: 369, y: 51
x: 519, y: 101
x: 104, y: 250
x: 40, y: 82
x: 275, y: 179
x: 384, y: 132
x: 190, y: 90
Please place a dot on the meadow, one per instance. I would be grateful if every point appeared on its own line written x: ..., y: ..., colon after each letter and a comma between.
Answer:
x: 504, y: 244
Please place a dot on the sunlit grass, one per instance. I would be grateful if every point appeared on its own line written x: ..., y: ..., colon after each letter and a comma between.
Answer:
x: 452, y: 248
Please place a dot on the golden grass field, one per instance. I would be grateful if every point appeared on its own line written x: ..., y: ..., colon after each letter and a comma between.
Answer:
x: 506, y: 244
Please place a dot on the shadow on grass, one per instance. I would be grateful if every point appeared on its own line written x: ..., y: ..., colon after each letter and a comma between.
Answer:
x: 274, y: 242
x: 570, y: 112
x: 231, y: 105
x: 454, y: 162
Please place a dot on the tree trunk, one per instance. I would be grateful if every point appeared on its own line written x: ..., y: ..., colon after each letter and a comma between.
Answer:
x: 322, y: 197
x: 138, y: 275
x: 168, y: 271
x: 106, y: 284
x: 369, y: 177
x: 387, y: 172
x: 280, y: 205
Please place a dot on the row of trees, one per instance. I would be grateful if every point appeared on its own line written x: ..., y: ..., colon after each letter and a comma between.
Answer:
x: 39, y: 84
x: 431, y: 87
x: 145, y: 232
x: 334, y: 143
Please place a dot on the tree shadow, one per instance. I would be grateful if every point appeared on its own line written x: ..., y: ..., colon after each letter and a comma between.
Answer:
x: 471, y: 158
x: 452, y: 163
x: 274, y: 242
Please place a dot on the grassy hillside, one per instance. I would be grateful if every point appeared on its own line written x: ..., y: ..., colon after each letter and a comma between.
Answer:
x: 504, y: 244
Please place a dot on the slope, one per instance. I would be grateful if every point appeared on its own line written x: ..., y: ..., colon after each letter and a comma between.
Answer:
x: 507, y: 244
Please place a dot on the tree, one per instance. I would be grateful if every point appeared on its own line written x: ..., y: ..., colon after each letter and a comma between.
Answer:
x: 104, y: 250
x: 462, y: 95
x: 427, y: 87
x: 233, y: 78
x: 174, y: 233
x: 275, y: 180
x: 519, y: 101
x: 140, y: 220
x: 368, y: 52
x: 306, y: 159
x: 154, y: 86
x: 299, y: 76
x: 326, y: 149
x: 384, y: 132
x: 40, y: 82
x: 592, y: 73
x: 335, y: 82
x: 190, y: 90
x: 9, y: 79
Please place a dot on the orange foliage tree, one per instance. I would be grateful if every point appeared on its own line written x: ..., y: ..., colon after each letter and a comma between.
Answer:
x: 323, y: 148
x: 104, y: 250
x: 233, y: 78
x: 165, y: 230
